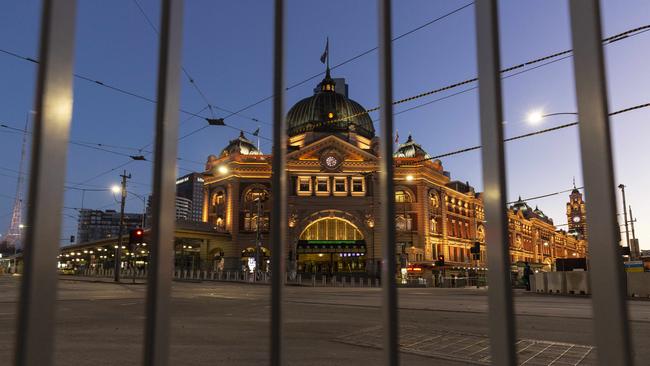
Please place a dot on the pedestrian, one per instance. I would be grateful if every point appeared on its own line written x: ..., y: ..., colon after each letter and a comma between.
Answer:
x: 527, y: 273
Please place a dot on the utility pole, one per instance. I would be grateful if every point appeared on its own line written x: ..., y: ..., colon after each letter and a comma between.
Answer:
x: 627, y: 232
x: 118, y: 249
x: 632, y: 224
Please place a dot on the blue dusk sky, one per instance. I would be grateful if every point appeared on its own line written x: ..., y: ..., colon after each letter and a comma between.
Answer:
x: 227, y: 50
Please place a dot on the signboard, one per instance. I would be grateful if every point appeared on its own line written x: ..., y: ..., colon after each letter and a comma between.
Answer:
x: 633, y: 266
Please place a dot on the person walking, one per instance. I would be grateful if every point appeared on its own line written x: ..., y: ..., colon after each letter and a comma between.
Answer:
x: 527, y: 273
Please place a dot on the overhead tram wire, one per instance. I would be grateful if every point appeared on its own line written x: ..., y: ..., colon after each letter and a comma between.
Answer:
x: 102, y: 147
x: 566, y: 53
x: 357, y: 56
x: 518, y: 137
x: 609, y: 40
x: 544, y: 195
x: 190, y: 79
x: 126, y: 92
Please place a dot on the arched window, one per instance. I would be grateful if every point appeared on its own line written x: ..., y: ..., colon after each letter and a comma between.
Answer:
x: 434, y: 200
x: 255, y: 208
x: 403, y: 223
x: 331, y: 228
x: 402, y: 195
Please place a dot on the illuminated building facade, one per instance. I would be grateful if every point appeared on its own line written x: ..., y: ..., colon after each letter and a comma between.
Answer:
x: 333, y: 203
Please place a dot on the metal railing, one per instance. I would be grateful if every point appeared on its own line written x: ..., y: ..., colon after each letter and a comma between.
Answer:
x: 35, y: 326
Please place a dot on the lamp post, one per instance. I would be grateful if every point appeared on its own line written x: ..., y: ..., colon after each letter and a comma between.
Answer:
x: 122, y: 190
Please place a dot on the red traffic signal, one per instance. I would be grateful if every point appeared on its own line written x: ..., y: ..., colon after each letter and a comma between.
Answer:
x: 136, y: 236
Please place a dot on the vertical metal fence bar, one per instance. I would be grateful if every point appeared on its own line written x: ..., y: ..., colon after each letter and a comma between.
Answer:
x: 278, y: 189
x: 37, y: 306
x: 387, y: 192
x: 501, y: 320
x: 610, y: 311
x: 156, y: 347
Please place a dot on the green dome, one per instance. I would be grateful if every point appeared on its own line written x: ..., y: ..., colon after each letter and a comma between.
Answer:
x: 329, y: 111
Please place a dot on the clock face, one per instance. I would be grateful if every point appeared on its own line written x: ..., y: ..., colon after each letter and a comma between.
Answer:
x: 576, y: 219
x: 331, y: 161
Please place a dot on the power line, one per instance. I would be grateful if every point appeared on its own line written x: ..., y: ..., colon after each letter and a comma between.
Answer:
x: 123, y: 91
x: 358, y: 56
x: 191, y: 80
x: 566, y: 53
x: 544, y: 195
x: 539, y: 132
x: 104, y: 147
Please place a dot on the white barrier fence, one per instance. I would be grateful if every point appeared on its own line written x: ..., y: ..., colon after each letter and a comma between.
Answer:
x: 578, y: 283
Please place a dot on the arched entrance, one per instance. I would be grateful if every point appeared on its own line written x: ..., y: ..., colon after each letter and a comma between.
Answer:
x: 331, y: 245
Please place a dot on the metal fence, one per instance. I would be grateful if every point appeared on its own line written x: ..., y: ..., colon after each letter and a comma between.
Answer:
x: 35, y: 327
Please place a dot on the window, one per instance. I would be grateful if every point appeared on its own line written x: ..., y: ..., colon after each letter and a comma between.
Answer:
x: 340, y: 186
x: 357, y: 186
x: 403, y: 223
x: 322, y: 186
x: 304, y: 185
x: 251, y: 221
x: 402, y: 196
x: 433, y: 226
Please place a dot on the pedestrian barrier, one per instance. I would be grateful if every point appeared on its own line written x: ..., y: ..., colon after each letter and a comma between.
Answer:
x: 556, y: 282
x: 577, y: 283
x: 638, y: 284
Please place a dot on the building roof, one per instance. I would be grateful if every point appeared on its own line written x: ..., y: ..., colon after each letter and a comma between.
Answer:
x: 530, y: 213
x: 329, y: 111
x: 240, y: 145
x: 411, y: 149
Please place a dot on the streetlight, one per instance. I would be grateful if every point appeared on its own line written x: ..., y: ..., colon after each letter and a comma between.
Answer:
x: 409, y: 177
x: 223, y: 169
x: 116, y: 189
x: 536, y: 116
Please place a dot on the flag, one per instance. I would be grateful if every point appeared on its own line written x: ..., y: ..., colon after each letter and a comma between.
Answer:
x: 326, y: 53
x: 396, y: 137
x: 257, y: 132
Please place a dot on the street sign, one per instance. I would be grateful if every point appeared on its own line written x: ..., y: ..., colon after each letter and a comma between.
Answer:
x: 633, y: 266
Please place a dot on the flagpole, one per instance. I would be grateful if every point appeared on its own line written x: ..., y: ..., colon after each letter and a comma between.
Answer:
x: 328, y: 53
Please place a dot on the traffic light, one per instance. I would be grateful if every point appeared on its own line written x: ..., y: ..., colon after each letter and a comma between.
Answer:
x: 136, y: 236
x: 441, y: 261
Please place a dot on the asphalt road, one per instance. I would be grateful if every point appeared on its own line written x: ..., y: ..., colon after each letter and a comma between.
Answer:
x: 228, y: 324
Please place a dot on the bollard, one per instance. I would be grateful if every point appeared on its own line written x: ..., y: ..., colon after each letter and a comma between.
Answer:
x: 313, y: 280
x: 299, y: 279
x: 324, y: 279
x: 333, y: 281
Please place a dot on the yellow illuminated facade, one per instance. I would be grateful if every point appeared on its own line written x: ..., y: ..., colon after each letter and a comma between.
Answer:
x: 333, y: 205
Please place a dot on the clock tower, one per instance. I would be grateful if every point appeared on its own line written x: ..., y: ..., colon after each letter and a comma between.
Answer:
x: 577, y: 214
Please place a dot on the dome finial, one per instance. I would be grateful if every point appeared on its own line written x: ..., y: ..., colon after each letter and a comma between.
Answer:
x: 241, y: 134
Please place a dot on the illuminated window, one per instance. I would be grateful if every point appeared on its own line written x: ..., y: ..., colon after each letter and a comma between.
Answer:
x: 330, y: 115
x: 340, y: 186
x: 322, y: 186
x: 251, y: 222
x: 402, y: 196
x: 332, y: 228
x: 304, y: 185
x: 357, y: 186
